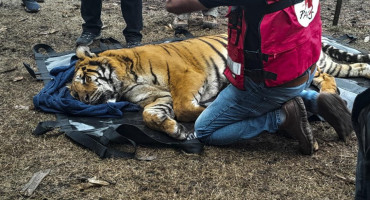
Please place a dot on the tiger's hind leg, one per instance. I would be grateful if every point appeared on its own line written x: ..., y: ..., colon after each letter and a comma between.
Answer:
x: 187, y: 93
x: 160, y: 116
x: 325, y: 82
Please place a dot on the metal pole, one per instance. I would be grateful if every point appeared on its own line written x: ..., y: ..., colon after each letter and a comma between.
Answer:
x: 338, y: 7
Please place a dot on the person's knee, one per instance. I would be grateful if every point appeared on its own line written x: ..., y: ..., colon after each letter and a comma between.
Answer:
x: 201, y: 130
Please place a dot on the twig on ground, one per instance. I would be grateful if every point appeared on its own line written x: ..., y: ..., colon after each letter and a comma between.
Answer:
x: 345, y: 179
x: 36, y: 179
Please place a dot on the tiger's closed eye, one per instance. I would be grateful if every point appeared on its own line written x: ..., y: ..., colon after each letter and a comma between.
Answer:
x: 75, y: 95
x: 87, y: 98
x: 88, y: 79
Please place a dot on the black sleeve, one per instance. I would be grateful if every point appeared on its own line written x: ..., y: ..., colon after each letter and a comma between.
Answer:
x: 216, y: 3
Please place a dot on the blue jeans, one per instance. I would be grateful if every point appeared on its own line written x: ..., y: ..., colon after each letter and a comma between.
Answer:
x: 238, y: 115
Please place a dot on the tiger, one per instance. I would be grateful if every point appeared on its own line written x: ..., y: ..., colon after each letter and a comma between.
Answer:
x: 172, y: 82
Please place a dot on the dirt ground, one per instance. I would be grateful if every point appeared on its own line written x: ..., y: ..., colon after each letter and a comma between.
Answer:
x: 266, y: 167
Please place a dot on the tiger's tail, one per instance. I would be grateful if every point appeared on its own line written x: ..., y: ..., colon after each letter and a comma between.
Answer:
x: 343, y: 64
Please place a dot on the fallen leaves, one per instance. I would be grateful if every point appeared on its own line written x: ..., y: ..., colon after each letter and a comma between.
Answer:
x: 48, y: 32
x: 146, y: 158
x: 91, y: 182
x: 17, y: 78
x: 34, y: 182
x: 21, y: 107
x: 23, y: 19
x: 3, y: 29
x: 367, y: 39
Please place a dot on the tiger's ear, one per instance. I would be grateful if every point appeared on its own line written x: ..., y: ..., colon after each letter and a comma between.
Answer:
x: 83, y: 52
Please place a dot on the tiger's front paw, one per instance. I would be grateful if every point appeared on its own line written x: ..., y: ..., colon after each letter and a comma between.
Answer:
x: 181, y: 133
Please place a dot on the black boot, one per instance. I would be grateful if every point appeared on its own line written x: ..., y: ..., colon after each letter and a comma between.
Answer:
x: 334, y: 110
x: 297, y: 126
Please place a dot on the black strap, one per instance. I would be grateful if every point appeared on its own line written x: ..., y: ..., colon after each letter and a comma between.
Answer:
x: 256, y: 55
x: 151, y: 137
x: 134, y: 128
x: 111, y: 135
x: 101, y: 150
x: 31, y: 71
x: 235, y: 22
x: 99, y: 145
x: 44, y: 127
x: 253, y: 57
x: 40, y: 58
x: 49, y: 50
x: 259, y: 74
x: 280, y: 5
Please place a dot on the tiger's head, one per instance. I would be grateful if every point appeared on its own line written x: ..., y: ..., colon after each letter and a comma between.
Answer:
x: 94, y: 80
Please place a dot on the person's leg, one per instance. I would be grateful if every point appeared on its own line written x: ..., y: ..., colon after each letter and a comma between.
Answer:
x: 361, y: 125
x: 91, y: 28
x: 133, y: 16
x: 236, y: 115
x: 90, y: 12
x: 360, y: 191
x: 310, y: 96
x: 229, y: 119
x: 331, y: 107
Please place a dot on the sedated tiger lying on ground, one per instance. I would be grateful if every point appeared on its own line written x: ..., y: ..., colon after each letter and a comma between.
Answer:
x: 171, y: 81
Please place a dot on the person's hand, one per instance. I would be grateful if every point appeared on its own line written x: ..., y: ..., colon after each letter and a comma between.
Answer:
x: 169, y: 5
x: 183, y: 6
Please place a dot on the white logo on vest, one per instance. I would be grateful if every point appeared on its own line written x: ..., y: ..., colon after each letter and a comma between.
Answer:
x: 306, y: 11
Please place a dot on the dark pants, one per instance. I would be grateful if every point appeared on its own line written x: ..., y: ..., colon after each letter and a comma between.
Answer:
x: 363, y: 176
x: 131, y: 11
x: 361, y: 125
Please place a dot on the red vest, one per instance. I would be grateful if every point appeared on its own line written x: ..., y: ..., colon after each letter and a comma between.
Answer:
x: 290, y: 42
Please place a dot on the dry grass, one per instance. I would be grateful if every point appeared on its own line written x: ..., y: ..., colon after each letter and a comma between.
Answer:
x: 267, y: 167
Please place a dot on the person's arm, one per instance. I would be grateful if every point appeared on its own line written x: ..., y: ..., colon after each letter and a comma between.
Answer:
x: 183, y: 6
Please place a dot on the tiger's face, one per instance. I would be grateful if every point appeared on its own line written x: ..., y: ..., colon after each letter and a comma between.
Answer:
x: 90, y: 83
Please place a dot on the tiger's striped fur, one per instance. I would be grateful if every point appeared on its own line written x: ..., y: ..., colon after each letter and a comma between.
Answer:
x: 171, y: 81
x: 328, y: 68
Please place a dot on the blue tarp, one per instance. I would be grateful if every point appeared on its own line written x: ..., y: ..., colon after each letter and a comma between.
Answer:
x: 55, y: 97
